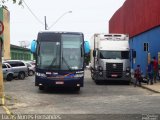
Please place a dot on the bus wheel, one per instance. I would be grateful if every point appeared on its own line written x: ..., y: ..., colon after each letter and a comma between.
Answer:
x: 77, y: 89
x: 41, y: 87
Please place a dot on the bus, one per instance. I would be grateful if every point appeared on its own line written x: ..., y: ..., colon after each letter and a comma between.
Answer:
x: 59, y: 59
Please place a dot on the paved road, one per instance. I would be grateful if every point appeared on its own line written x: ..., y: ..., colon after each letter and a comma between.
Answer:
x: 92, y: 99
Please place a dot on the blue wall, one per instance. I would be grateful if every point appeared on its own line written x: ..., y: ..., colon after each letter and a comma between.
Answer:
x: 151, y: 37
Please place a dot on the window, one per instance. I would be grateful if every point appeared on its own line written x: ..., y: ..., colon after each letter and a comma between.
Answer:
x: 16, y: 63
x: 8, y: 66
x: 12, y: 55
x: 13, y: 64
x: 146, y: 47
x: 4, y: 66
x: 29, y: 57
x: 21, y: 64
x: 16, y: 56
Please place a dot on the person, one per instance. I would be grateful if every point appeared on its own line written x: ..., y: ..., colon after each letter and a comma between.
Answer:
x: 155, y: 69
x: 137, y: 76
x: 150, y: 72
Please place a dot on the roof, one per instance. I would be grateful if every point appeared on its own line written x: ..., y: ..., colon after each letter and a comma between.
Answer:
x: 60, y: 32
x: 135, y: 17
x: 19, y: 47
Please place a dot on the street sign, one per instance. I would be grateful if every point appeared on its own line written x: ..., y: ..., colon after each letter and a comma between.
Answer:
x: 1, y: 27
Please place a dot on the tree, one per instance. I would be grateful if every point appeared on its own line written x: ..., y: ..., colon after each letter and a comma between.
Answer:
x: 2, y: 2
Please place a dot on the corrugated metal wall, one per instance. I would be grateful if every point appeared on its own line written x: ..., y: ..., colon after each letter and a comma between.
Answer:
x: 135, y: 17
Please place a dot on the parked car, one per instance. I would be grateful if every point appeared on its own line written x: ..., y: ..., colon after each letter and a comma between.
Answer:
x: 19, y: 68
x: 8, y: 73
x: 31, y: 62
x: 31, y: 69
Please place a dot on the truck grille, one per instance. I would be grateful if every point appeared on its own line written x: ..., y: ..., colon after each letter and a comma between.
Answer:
x: 114, y: 70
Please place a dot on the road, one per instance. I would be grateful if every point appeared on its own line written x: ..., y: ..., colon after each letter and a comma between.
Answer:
x: 92, y: 101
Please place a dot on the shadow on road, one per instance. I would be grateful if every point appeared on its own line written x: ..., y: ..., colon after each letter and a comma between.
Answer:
x: 112, y: 83
x: 60, y: 91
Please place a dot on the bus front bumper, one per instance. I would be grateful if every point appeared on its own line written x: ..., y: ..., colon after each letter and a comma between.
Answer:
x: 73, y: 82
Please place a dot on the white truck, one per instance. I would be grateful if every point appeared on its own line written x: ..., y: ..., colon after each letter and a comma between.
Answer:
x: 110, y: 57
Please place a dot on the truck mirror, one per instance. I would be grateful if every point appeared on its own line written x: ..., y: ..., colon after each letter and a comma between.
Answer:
x: 134, y: 54
x: 33, y: 46
x: 94, y: 53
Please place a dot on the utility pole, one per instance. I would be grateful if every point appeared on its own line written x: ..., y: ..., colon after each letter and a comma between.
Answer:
x: 45, y: 22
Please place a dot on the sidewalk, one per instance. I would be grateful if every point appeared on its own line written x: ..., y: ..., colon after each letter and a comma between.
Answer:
x: 155, y: 87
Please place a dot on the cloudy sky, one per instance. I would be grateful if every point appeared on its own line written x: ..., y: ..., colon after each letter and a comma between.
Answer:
x: 88, y: 16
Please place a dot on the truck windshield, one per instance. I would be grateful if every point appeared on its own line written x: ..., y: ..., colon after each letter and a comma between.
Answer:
x: 114, y: 54
x: 67, y: 54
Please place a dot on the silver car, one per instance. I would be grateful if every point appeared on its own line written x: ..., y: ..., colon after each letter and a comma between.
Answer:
x: 19, y: 68
x: 31, y: 69
x: 8, y: 73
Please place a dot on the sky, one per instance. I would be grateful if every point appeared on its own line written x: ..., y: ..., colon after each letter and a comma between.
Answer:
x: 88, y: 16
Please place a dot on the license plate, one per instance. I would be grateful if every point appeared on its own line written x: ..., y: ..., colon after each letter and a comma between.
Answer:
x: 114, y: 75
x: 59, y: 83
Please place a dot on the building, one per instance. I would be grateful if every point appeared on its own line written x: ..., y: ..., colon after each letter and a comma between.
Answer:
x: 141, y: 20
x: 20, y: 53
x: 5, y: 32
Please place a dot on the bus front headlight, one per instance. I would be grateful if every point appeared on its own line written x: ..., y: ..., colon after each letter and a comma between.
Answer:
x: 41, y: 74
x: 78, y: 75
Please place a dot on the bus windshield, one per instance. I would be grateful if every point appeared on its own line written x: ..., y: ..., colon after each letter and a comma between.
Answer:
x: 49, y: 55
x: 67, y: 54
x: 71, y: 52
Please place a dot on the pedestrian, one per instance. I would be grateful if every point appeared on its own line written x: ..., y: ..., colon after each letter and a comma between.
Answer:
x: 150, y: 72
x: 155, y: 69
x: 137, y: 76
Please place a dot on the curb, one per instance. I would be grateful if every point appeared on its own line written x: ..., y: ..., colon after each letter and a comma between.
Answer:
x: 155, y: 91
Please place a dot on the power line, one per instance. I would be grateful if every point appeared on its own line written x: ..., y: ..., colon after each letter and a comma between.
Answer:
x: 59, y: 19
x: 33, y: 13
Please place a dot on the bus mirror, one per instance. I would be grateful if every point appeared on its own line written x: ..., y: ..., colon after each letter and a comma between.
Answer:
x: 86, y: 47
x: 134, y: 54
x: 94, y: 53
x: 33, y: 46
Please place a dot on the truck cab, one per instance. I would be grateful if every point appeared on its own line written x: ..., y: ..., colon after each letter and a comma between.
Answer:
x: 110, y: 57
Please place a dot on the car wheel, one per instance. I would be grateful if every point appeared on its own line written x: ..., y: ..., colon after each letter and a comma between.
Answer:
x: 21, y: 75
x: 30, y: 73
x: 9, y: 77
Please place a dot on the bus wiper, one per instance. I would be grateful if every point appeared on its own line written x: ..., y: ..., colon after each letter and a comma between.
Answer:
x: 52, y: 63
x: 66, y: 63
x: 54, y: 60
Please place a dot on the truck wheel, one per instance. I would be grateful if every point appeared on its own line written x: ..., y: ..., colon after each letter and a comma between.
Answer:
x: 21, y: 76
x: 93, y: 75
x: 97, y: 82
x: 9, y: 77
